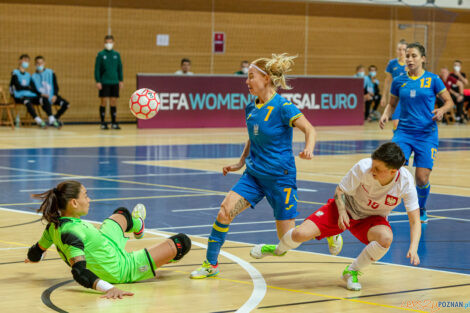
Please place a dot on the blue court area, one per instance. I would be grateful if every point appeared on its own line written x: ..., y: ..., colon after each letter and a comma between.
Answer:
x: 186, y: 200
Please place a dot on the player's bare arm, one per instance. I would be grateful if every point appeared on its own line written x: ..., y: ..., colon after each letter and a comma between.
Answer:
x: 448, y: 105
x: 387, y: 84
x: 389, y: 110
x: 310, y: 137
x: 415, y: 235
x: 343, y: 220
x: 241, y: 162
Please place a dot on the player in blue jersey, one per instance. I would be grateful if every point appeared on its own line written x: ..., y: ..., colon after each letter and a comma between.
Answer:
x: 270, y: 165
x: 395, y: 68
x: 417, y: 130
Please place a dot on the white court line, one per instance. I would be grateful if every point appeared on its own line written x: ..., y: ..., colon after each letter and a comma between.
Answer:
x: 446, y: 210
x: 308, y: 190
x: 210, y: 225
x: 138, y: 189
x: 259, y: 284
x: 115, y: 176
x: 201, y: 209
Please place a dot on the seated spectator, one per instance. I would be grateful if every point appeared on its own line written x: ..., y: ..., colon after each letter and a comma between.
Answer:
x: 185, y: 68
x: 372, y: 89
x: 24, y: 91
x: 457, y: 73
x: 455, y: 88
x: 243, y: 68
x: 45, y: 82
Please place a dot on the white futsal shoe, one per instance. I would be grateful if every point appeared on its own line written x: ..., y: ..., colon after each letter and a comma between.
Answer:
x: 262, y: 250
x: 139, y: 211
x: 350, y: 277
x: 335, y: 244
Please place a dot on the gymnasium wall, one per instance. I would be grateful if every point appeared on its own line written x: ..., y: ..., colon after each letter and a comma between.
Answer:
x: 330, y: 39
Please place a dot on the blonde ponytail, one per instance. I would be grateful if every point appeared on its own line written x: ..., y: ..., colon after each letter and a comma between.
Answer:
x: 277, y: 67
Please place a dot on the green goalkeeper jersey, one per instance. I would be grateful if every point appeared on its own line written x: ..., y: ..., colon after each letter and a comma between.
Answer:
x: 74, y: 237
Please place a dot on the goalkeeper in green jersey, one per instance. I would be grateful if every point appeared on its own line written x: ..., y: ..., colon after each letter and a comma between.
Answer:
x: 97, y: 256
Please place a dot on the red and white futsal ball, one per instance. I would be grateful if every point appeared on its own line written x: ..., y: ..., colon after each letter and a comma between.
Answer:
x: 144, y: 103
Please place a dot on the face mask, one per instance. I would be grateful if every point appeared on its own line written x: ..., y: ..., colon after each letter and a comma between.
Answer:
x: 457, y: 68
x: 108, y: 46
x: 40, y: 68
x: 24, y: 64
x: 245, y: 70
x: 372, y: 74
x: 360, y: 74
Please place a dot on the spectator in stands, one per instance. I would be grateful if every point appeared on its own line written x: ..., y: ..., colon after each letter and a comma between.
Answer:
x: 185, y: 67
x: 243, y: 68
x: 361, y: 73
x: 372, y: 88
x: 457, y: 73
x: 24, y: 91
x: 109, y: 79
x: 45, y: 82
x: 455, y: 88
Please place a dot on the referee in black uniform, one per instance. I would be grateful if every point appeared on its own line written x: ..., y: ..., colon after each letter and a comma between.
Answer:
x: 109, y: 79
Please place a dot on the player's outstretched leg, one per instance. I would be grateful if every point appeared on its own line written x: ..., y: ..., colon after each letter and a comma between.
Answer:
x: 232, y: 205
x: 380, y: 238
x: 171, y: 250
x: 127, y: 221
x: 291, y: 240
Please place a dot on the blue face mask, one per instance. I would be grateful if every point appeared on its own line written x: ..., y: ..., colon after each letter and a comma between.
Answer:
x: 40, y: 68
x: 24, y: 64
x: 372, y: 74
x: 360, y: 74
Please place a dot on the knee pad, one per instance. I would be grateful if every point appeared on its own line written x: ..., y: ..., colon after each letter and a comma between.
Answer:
x: 183, y: 245
x: 125, y: 212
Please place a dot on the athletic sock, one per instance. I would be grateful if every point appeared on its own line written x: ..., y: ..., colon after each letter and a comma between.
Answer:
x: 287, y: 243
x: 137, y: 225
x: 38, y: 120
x: 215, y: 242
x: 371, y: 253
x: 51, y: 119
x: 423, y: 193
x: 113, y: 115
x: 102, y: 113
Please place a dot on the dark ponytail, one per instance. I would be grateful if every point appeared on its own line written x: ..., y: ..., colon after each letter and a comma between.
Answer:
x: 55, y: 200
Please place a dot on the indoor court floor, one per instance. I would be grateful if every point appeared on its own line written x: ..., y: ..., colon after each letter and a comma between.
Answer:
x: 177, y: 175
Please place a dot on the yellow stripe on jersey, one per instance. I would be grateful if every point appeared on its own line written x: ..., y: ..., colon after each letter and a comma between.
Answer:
x: 294, y: 118
x: 442, y: 91
x: 217, y: 228
x: 403, y: 85
x: 260, y: 105
x: 287, y: 103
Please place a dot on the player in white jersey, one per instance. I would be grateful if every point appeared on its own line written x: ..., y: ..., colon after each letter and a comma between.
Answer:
x: 363, y: 200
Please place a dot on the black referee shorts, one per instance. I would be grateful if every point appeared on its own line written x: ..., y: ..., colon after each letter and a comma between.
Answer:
x: 109, y: 91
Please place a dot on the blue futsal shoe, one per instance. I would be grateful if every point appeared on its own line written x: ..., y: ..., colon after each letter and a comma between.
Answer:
x: 423, y: 215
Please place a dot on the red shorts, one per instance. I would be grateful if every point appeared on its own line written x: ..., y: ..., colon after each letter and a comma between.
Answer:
x: 326, y: 219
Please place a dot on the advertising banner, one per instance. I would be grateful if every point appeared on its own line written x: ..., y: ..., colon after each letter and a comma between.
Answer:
x: 220, y: 100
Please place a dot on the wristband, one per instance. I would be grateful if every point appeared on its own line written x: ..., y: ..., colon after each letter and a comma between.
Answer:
x: 103, y: 286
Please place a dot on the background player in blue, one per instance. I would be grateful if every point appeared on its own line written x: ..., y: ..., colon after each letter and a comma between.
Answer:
x: 417, y: 130
x: 395, y: 68
x: 270, y: 165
